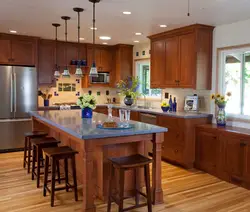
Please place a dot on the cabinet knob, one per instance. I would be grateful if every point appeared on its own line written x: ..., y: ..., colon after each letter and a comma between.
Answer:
x: 242, y: 144
x: 176, y: 151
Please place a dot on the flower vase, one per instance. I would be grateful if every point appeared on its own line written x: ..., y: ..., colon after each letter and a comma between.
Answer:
x: 46, y: 102
x: 87, y: 112
x: 128, y: 100
x: 221, y: 116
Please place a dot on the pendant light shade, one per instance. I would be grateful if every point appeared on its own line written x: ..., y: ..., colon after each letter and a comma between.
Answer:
x: 56, y: 71
x: 78, y: 72
x: 66, y: 73
x: 93, y: 71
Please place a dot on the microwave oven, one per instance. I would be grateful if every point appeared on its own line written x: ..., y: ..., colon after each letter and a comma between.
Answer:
x: 103, y: 77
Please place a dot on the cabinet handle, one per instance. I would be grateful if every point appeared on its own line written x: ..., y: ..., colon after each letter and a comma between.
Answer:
x: 176, y: 151
x: 162, y: 147
x: 242, y: 144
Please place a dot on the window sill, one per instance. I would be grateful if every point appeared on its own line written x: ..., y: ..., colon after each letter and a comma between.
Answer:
x: 150, y: 98
x: 238, y: 118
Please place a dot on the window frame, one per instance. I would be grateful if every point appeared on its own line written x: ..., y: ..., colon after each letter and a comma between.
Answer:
x: 144, y: 61
x: 221, y: 54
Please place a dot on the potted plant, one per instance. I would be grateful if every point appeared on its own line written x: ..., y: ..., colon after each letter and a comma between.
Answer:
x: 165, y: 106
x: 221, y: 102
x: 129, y: 89
x: 46, y: 96
x: 88, y: 104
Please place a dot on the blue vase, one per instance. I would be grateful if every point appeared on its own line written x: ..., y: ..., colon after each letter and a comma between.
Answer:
x: 87, y: 113
x: 221, y: 116
x: 46, y: 102
x: 128, y: 100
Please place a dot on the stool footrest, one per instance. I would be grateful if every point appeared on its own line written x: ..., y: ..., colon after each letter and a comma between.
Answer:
x: 135, y: 206
x: 61, y: 188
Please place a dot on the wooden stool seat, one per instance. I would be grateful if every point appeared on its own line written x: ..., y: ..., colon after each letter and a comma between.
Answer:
x: 129, y: 162
x: 134, y: 162
x: 27, y: 146
x: 56, y: 154
x: 38, y: 146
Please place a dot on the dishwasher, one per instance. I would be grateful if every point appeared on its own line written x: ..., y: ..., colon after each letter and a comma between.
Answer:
x: 149, y: 119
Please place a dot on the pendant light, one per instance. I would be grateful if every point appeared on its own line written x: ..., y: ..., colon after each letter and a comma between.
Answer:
x: 66, y: 70
x: 188, y: 13
x: 57, y: 71
x: 78, y: 72
x: 93, y: 71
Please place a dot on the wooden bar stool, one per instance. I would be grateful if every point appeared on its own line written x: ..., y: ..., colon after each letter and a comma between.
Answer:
x: 37, y: 156
x: 56, y: 154
x: 123, y: 164
x: 27, y: 146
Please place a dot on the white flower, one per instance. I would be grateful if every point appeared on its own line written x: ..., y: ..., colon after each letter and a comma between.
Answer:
x: 86, y: 101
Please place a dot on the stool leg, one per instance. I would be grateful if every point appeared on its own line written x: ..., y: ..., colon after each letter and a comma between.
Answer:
x: 111, y: 177
x: 58, y: 171
x: 33, y: 163
x: 74, y: 176
x: 147, y: 181
x: 137, y: 187
x: 53, y: 171
x: 46, y: 173
x: 66, y: 174
x: 38, y: 162
x: 29, y: 151
x: 25, y: 152
x: 121, y: 189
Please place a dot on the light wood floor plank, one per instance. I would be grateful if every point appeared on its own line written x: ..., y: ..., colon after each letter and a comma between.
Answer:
x: 184, y: 191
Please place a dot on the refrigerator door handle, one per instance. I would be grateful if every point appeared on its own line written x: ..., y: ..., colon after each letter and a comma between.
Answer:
x: 11, y: 93
x: 14, y: 92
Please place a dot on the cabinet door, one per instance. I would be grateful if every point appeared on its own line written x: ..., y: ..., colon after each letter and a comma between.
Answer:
x: 187, y: 72
x: 134, y: 116
x: 172, y: 62
x: 61, y: 55
x: 97, y: 57
x: 246, y: 173
x: 46, y: 63
x: 5, y: 51
x: 23, y: 52
x: 233, y: 155
x: 106, y: 60
x: 207, y: 146
x: 158, y: 65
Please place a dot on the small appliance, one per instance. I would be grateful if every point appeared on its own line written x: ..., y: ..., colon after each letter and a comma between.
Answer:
x: 103, y: 77
x: 191, y: 103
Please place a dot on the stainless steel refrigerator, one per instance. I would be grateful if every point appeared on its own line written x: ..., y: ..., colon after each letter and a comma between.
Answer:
x: 18, y: 96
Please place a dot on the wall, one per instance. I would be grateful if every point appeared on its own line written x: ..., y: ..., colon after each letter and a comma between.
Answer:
x: 71, y: 97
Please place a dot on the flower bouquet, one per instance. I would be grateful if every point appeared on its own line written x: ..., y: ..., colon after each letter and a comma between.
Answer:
x: 46, y: 96
x: 129, y: 89
x: 221, y: 102
x: 88, y: 104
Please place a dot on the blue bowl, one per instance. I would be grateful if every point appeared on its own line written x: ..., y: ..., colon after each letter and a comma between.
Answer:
x: 165, y: 109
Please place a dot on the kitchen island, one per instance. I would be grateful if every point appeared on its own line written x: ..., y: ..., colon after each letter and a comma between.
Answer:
x: 95, y: 146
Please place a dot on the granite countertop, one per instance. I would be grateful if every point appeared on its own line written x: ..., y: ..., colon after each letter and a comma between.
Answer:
x: 71, y: 122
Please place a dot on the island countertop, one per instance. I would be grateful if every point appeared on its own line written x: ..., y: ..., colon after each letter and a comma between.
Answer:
x: 71, y: 122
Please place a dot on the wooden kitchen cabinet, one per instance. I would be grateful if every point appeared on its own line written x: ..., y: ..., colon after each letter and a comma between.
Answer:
x: 182, y: 58
x: 179, y: 142
x: 207, y: 150
x: 18, y: 50
x: 229, y: 153
x: 46, y: 62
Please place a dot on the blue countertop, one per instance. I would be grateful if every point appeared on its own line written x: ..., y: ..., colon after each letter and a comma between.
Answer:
x: 71, y: 122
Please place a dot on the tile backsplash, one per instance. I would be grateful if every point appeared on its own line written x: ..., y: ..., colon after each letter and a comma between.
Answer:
x: 73, y: 89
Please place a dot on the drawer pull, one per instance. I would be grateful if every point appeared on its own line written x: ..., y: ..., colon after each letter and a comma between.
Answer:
x: 176, y: 151
x: 242, y: 144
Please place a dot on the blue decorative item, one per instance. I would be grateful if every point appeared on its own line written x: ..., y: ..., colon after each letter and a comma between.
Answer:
x: 46, y: 102
x: 83, y: 62
x: 165, y: 109
x: 221, y: 116
x: 128, y: 100
x: 87, y: 113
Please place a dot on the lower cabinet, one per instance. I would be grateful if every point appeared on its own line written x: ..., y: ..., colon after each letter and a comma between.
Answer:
x: 224, y: 152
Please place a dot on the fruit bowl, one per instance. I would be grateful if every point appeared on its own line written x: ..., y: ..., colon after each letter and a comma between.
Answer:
x: 165, y: 109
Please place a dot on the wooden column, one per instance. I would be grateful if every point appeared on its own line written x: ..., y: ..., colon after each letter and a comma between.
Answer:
x: 156, y: 172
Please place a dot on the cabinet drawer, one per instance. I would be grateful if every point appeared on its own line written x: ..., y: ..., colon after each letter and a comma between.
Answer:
x: 170, y: 122
x: 173, y: 153
x: 174, y: 137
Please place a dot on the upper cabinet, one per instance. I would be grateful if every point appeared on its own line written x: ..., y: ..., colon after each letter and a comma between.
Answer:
x: 182, y: 58
x: 18, y: 50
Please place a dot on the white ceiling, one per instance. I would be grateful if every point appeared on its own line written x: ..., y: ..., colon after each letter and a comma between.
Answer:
x: 34, y: 17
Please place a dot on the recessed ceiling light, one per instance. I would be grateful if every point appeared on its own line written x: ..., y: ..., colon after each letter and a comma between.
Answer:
x: 82, y: 38
x: 105, y: 37
x: 126, y: 13
x: 163, y: 25
x: 136, y: 41
x: 138, y: 33
x: 13, y: 31
x: 104, y: 43
x: 93, y: 28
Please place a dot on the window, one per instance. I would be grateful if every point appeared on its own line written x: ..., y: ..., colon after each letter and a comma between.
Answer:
x: 236, y: 79
x: 143, y: 72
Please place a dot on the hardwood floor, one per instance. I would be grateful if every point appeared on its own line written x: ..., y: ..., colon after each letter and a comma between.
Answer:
x: 184, y: 191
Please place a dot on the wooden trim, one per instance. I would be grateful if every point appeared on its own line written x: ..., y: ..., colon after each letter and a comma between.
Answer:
x: 141, y: 59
